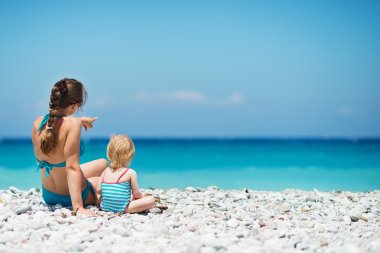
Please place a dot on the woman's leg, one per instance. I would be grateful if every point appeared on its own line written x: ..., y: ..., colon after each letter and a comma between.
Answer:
x: 140, y: 205
x: 91, y: 198
x: 94, y: 168
x: 92, y: 171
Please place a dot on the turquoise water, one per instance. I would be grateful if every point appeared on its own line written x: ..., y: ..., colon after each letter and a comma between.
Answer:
x: 259, y: 164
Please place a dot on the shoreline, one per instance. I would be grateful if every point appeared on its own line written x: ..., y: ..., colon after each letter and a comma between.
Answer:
x: 199, y: 220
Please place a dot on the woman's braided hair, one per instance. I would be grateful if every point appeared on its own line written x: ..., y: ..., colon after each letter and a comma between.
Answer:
x: 65, y: 92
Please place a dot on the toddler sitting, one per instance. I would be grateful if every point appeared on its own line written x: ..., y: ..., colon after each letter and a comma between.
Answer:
x: 118, y: 184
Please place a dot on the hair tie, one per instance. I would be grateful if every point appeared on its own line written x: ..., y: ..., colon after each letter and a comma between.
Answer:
x: 62, y: 87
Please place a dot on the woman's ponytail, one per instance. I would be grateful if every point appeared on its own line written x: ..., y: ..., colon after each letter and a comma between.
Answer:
x: 48, y: 138
x: 64, y: 93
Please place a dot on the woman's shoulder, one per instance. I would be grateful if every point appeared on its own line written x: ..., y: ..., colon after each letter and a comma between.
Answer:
x: 37, y: 121
x: 72, y: 124
x: 73, y: 121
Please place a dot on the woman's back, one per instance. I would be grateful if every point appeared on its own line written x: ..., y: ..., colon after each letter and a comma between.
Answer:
x: 56, y: 143
x: 61, y: 129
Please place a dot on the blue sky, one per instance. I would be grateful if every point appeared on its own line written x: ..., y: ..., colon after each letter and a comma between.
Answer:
x: 196, y: 68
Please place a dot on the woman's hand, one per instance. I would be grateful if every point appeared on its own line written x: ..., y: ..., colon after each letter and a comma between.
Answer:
x: 87, y: 122
x: 85, y: 212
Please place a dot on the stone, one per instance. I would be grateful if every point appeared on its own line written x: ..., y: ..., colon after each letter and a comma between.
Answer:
x: 320, y: 228
x: 354, y: 218
x: 155, y: 210
x: 187, y: 211
x: 23, y: 208
x: 240, y: 196
x: 262, y: 223
x: 311, y: 199
x: 208, y: 220
x: 66, y: 212
x: 347, y: 219
x: 233, y: 223
x: 213, y: 188
x: 220, y: 196
x: 306, y: 224
x: 13, y: 189
x: 90, y: 238
x: 267, y: 234
x: 37, y: 225
x: 363, y: 217
x: 191, y: 189
x: 191, y: 227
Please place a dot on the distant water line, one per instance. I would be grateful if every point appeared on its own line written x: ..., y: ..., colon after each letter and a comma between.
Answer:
x: 261, y: 164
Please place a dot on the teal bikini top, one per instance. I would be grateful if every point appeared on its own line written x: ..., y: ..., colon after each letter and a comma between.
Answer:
x: 48, y: 166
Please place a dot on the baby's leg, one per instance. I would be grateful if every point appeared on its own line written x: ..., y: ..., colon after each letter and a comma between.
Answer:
x: 140, y: 205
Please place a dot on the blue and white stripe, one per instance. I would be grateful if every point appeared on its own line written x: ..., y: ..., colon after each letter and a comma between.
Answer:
x: 115, y: 196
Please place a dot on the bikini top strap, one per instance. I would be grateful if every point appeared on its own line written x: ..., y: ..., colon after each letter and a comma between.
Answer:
x: 45, y: 119
x: 122, y: 174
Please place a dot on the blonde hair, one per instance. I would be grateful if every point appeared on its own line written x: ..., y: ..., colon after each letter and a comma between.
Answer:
x: 120, y: 151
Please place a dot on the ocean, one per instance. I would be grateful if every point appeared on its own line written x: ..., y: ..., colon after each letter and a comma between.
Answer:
x: 258, y: 164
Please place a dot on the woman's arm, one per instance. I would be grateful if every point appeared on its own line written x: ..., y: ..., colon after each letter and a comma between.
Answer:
x: 87, y: 122
x: 136, y: 193
x: 74, y: 176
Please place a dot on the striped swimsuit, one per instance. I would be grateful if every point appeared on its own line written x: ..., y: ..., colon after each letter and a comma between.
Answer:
x: 115, y: 195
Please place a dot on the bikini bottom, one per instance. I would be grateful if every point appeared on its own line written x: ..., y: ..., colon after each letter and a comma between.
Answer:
x: 52, y: 198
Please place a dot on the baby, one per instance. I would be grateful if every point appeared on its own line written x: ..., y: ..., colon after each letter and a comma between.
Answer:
x: 117, y: 182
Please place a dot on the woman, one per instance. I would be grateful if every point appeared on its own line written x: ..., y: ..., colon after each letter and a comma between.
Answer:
x: 56, y: 143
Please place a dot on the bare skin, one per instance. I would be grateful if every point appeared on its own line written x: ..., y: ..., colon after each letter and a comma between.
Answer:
x: 71, y: 180
x: 138, y: 202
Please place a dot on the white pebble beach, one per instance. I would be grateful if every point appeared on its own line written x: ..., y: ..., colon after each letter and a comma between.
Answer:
x: 203, y: 220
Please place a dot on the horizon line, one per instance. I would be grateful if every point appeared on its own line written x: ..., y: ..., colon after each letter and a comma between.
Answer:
x: 301, y: 138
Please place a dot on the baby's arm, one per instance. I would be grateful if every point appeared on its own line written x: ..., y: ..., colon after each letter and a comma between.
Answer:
x: 135, y: 188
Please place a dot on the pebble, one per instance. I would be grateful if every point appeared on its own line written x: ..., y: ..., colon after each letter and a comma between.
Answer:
x: 23, y: 208
x: 354, y: 218
x: 363, y: 217
x: 262, y: 223
x: 199, y: 220
x: 307, y: 224
x: 233, y: 223
x: 187, y: 211
x: 13, y: 189
x: 155, y: 210
x: 191, y: 189
x: 347, y: 219
x: 311, y: 199
x: 240, y: 196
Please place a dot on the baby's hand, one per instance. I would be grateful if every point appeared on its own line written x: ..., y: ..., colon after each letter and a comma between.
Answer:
x: 87, y: 122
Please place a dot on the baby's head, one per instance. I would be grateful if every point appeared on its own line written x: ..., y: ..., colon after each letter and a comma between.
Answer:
x: 120, y: 151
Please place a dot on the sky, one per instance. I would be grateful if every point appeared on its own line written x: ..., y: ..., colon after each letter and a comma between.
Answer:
x: 196, y: 68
